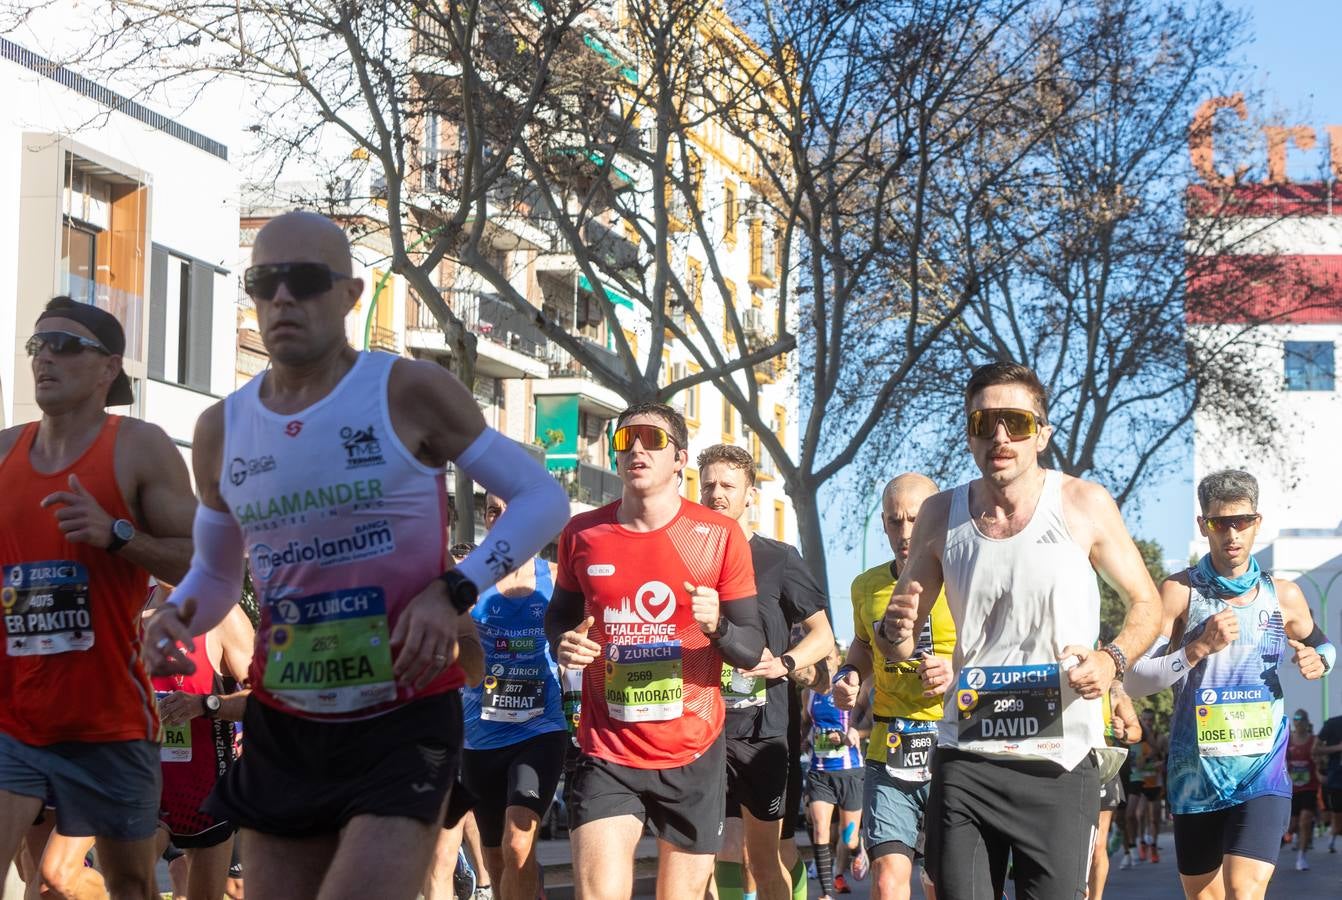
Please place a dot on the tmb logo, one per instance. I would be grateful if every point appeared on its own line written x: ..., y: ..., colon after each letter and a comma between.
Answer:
x: 362, y: 448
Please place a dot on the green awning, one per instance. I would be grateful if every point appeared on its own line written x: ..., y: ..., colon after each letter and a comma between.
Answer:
x: 613, y: 296
x: 628, y: 73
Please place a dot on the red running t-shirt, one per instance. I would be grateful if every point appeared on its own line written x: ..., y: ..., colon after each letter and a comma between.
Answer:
x: 653, y: 700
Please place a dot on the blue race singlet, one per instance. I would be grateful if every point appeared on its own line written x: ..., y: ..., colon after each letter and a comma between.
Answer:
x: 1228, y: 728
x: 520, y: 696
x: 829, y: 731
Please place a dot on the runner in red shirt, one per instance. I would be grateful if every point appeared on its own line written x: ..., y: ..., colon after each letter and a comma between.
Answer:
x: 661, y: 591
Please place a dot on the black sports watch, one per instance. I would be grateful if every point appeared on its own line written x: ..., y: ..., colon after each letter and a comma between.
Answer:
x: 788, y: 663
x: 461, y: 591
x: 212, y: 704
x: 122, y: 532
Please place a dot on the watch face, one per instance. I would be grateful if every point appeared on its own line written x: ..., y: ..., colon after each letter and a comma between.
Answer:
x: 212, y: 703
x: 123, y: 529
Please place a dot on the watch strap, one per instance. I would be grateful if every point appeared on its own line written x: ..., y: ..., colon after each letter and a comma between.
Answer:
x: 461, y: 591
x: 118, y: 541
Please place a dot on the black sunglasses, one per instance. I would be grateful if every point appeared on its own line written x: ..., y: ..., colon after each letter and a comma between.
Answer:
x: 303, y: 279
x: 63, y: 343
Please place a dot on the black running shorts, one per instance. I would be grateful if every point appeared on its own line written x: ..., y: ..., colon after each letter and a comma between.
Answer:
x: 1304, y: 801
x: 299, y: 778
x: 792, y: 798
x: 841, y: 787
x: 684, y: 805
x: 1253, y: 829
x: 757, y: 777
x: 524, y: 774
x: 981, y: 810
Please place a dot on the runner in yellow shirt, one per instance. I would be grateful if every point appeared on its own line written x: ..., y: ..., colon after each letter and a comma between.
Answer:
x: 906, y: 705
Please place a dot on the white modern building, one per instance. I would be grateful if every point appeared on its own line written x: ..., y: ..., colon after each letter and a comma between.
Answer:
x: 1301, y: 485
x: 121, y: 206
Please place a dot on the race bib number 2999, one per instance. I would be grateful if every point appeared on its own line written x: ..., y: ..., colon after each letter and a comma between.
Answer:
x: 46, y: 608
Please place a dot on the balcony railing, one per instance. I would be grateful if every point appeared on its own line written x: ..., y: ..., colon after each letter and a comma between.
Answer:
x: 563, y: 365
x: 383, y: 339
x: 590, y: 484
x: 487, y: 316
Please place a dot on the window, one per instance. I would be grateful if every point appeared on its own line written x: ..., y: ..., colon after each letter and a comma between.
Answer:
x: 696, y: 285
x: 729, y: 214
x: 780, y: 423
x: 728, y: 304
x: 780, y: 521
x: 728, y: 422
x: 181, y: 313
x: 1310, y: 366
x: 692, y: 484
x: 692, y: 399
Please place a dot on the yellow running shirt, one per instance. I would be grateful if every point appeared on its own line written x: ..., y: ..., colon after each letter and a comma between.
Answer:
x: 898, y: 689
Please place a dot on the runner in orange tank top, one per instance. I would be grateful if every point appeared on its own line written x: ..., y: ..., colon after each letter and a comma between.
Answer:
x: 90, y: 505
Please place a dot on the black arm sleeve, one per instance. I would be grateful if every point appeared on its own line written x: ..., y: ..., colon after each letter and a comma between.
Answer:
x: 740, y: 636
x: 564, y: 613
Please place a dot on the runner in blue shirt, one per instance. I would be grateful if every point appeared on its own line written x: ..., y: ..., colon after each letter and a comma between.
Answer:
x: 515, y: 730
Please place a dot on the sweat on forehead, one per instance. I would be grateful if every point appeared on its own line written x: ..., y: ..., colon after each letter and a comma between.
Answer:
x: 302, y: 236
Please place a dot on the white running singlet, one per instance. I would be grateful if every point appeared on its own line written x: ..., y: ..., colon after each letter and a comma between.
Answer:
x: 343, y: 527
x: 1017, y: 602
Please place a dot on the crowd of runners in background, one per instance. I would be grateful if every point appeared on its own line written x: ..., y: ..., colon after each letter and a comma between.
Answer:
x: 402, y: 704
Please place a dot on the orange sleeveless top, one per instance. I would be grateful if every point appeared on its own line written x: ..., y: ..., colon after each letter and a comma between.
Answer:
x: 71, y: 668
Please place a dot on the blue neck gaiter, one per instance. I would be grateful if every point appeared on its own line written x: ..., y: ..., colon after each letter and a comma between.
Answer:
x: 1211, y: 583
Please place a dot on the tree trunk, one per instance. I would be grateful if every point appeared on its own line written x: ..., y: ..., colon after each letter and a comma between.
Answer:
x: 810, y: 535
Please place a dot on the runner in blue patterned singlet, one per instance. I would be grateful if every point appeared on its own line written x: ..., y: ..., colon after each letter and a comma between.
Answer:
x: 835, y: 778
x: 515, y: 729
x: 1231, y: 626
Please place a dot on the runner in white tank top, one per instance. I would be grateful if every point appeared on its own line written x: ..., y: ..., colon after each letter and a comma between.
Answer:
x: 326, y: 472
x: 1017, y: 552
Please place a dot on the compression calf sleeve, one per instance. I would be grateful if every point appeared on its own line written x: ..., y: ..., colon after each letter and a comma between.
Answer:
x: 215, y: 576
x: 728, y: 877
x: 799, y: 879
x: 537, y: 506
x: 824, y: 868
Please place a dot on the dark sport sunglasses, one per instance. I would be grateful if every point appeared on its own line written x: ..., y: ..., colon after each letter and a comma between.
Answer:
x: 63, y: 343
x: 650, y: 436
x: 1226, y: 523
x: 1020, y: 423
x: 303, y: 279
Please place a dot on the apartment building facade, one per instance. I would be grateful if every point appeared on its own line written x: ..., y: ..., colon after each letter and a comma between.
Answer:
x: 121, y: 206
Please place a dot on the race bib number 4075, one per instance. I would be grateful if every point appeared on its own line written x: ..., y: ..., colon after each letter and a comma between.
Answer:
x: 46, y: 608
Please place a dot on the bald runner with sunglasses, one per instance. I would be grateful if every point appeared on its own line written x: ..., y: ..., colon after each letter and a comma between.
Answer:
x: 326, y: 472
x: 1016, y: 552
x: 91, y: 505
x: 1229, y: 627
x: 654, y: 593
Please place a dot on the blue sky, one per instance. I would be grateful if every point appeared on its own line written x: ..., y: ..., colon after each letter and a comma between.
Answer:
x: 1294, y: 59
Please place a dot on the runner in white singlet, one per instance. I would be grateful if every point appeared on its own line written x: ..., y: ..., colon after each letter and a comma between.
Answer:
x: 327, y: 472
x: 1017, y: 551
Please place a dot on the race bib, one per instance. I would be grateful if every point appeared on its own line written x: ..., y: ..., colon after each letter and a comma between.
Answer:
x: 741, y: 691
x: 828, y: 743
x: 908, y: 749
x: 176, y: 744
x: 46, y: 608
x: 644, y: 682
x: 1010, y: 710
x: 1300, y: 772
x: 330, y: 653
x: 513, y: 695
x: 1235, y: 721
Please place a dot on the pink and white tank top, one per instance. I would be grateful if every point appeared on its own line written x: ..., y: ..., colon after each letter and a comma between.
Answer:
x: 343, y: 527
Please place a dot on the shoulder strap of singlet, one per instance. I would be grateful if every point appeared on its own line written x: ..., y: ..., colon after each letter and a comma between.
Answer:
x: 543, y: 581
x: 23, y: 447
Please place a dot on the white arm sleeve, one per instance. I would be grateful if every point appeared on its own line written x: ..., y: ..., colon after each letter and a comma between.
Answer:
x: 1152, y: 674
x: 537, y: 506
x: 215, y: 577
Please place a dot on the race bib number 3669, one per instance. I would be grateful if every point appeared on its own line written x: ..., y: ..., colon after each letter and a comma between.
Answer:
x: 46, y: 608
